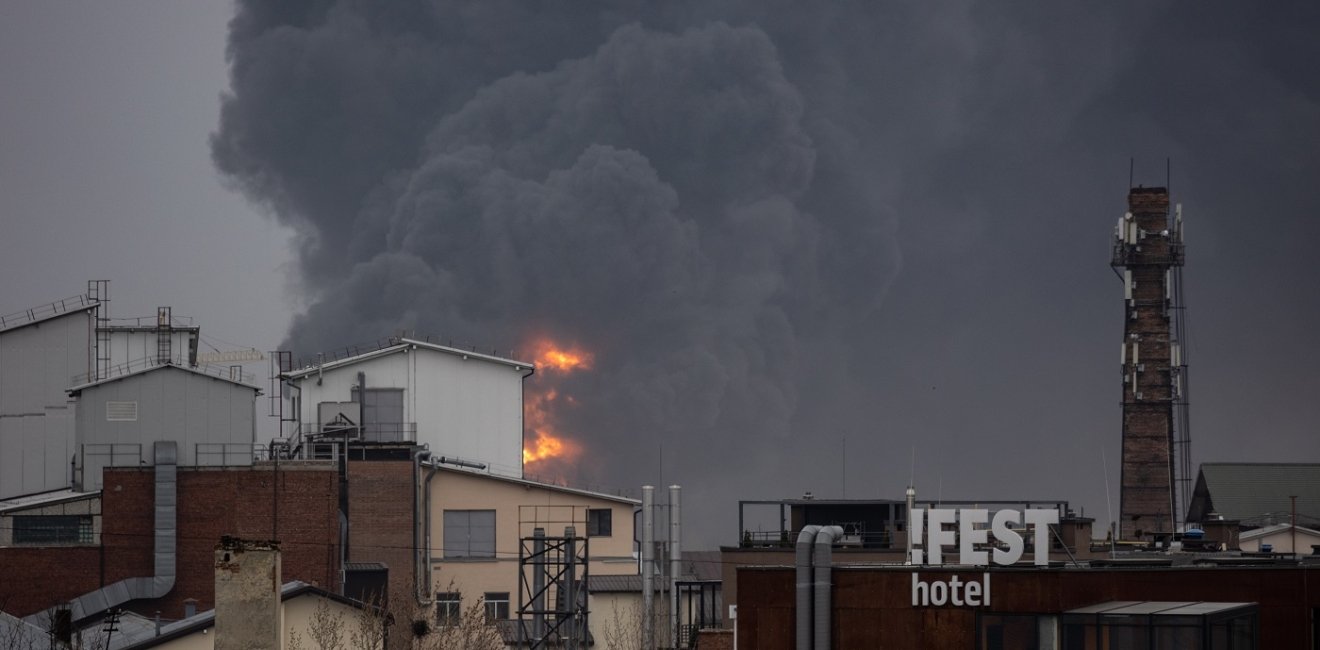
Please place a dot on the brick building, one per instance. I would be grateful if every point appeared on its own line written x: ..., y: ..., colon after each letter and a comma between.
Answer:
x: 294, y: 503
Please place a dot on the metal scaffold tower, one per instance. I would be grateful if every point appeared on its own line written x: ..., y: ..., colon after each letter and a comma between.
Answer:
x: 552, y: 591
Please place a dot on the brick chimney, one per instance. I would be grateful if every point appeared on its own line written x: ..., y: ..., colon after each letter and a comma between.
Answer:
x: 247, y: 595
x: 1146, y: 247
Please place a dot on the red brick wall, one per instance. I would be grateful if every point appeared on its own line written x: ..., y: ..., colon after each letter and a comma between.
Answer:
x: 715, y: 640
x: 212, y: 503
x: 35, y: 578
x: 380, y: 516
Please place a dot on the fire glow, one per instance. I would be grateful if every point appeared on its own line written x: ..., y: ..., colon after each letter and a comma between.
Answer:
x: 543, y: 403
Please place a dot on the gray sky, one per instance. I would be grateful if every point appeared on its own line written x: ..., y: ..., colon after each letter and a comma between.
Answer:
x: 775, y: 230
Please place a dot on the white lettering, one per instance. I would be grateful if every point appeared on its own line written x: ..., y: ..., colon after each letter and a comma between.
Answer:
x: 970, y: 536
x: 920, y: 592
x: 972, y: 593
x: 939, y: 593
x: 1040, y: 520
x: 955, y: 591
x: 932, y: 535
x: 914, y: 533
x: 937, y: 536
x: 1007, y: 536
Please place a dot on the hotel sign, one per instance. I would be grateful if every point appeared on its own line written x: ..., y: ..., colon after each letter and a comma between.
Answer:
x: 936, y: 531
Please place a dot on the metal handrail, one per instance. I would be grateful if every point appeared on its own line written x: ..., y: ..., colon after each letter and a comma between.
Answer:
x: 48, y: 309
x: 130, y: 367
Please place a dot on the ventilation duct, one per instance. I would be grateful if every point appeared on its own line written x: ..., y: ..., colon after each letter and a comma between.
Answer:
x: 165, y: 540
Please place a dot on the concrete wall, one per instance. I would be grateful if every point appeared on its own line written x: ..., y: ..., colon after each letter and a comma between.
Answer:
x: 213, y: 420
x: 247, y: 596
x: 37, y: 362
x: 468, y: 408
x: 519, y: 508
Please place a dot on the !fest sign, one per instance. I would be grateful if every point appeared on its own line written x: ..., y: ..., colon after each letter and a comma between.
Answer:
x: 933, y: 531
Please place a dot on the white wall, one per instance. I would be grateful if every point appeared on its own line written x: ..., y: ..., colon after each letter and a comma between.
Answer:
x: 468, y: 408
x: 37, y: 363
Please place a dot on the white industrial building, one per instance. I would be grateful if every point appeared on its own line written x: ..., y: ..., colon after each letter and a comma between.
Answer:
x: 459, y: 403
x: 47, y: 352
x: 211, y: 416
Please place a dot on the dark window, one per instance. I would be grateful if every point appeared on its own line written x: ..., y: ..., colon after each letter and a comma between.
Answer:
x: 469, y: 533
x: 382, y: 414
x: 448, y: 608
x: 1008, y: 632
x: 600, y: 522
x: 497, y: 606
x: 52, y: 529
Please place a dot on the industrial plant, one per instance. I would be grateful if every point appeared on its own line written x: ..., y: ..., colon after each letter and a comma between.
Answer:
x: 141, y: 502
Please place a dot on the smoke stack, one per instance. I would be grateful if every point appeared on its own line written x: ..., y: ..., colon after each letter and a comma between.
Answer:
x: 1149, y: 472
x: 247, y: 595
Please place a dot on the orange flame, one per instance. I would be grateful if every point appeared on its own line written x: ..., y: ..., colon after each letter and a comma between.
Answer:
x: 551, y: 357
x: 547, y: 441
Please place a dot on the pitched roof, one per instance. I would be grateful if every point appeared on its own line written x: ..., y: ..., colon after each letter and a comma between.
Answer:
x: 404, y: 343
x: 144, y: 366
x: 1254, y: 493
x: 1277, y: 528
x: 537, y: 484
x: 205, y: 620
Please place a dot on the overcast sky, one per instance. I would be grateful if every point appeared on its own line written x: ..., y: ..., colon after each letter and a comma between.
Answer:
x: 777, y: 226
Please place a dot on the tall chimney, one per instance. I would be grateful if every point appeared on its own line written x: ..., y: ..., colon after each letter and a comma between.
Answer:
x: 1146, y: 247
x: 247, y: 595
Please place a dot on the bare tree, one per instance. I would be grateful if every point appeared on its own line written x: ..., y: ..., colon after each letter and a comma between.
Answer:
x: 326, y: 627
x: 623, y: 629
x: 470, y: 632
x: 368, y: 629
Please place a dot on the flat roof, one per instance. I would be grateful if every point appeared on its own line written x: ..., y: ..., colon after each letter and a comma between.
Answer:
x: 41, y: 499
x: 1158, y: 608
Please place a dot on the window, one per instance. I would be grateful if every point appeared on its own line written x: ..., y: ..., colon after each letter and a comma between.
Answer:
x: 382, y: 414
x: 469, y: 533
x: 497, y: 606
x: 448, y: 608
x: 600, y: 522
x: 52, y: 529
x: 121, y: 412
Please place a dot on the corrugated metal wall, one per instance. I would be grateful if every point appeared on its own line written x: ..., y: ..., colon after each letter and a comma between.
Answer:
x: 212, y: 420
x: 36, y: 416
x: 469, y: 408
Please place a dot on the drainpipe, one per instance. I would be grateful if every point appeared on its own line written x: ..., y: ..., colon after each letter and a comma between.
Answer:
x: 421, y: 556
x: 803, y: 585
x: 648, y: 567
x: 823, y: 559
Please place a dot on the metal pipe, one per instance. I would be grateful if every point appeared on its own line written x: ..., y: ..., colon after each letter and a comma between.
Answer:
x: 675, y: 561
x: 822, y: 561
x: 911, y: 504
x: 648, y: 567
x: 803, y: 585
x: 538, y: 584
